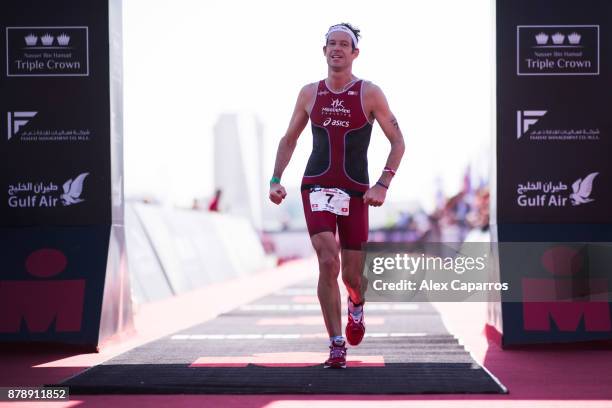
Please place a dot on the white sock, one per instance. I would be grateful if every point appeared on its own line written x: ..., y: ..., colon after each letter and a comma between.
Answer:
x: 353, y: 309
x: 337, y: 340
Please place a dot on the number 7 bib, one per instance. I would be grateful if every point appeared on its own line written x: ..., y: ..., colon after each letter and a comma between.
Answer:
x: 333, y: 200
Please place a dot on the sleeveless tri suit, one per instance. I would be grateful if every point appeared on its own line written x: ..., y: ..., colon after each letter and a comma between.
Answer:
x: 341, y: 136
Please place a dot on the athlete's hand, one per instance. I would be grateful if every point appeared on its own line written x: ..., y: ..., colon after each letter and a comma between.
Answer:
x: 277, y: 193
x: 375, y: 196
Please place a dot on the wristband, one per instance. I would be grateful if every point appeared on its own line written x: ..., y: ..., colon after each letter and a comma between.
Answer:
x: 389, y: 170
x: 379, y: 183
x: 275, y: 180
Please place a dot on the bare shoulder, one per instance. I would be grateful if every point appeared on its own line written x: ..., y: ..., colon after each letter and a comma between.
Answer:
x: 309, y: 90
x: 307, y: 96
x: 374, y: 101
x: 371, y: 90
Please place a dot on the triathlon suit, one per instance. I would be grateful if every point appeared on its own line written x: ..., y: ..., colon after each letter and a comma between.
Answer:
x: 341, y: 136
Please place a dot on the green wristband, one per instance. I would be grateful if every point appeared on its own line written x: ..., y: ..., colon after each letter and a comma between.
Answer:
x: 275, y: 180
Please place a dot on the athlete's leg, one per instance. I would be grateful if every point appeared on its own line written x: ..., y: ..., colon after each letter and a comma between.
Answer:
x: 322, y: 229
x: 328, y: 291
x: 353, y: 232
x: 352, y: 274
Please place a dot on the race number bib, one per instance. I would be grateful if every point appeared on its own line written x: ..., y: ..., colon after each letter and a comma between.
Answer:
x: 333, y: 200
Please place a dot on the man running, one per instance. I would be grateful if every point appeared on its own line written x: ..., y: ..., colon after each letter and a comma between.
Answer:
x: 335, y: 188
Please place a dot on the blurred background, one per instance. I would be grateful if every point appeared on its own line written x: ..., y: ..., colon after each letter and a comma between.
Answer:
x: 210, y: 88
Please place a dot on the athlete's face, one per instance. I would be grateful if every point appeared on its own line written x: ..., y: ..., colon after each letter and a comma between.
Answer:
x: 339, y: 50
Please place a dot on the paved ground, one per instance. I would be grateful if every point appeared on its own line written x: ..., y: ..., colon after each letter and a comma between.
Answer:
x: 535, y: 378
x: 277, y: 344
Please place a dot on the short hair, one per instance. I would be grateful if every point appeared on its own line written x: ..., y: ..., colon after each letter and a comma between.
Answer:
x: 355, y: 31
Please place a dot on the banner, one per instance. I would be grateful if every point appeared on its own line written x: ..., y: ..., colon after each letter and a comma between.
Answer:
x: 553, y: 112
x: 56, y: 107
x: 61, y: 185
x: 554, y: 139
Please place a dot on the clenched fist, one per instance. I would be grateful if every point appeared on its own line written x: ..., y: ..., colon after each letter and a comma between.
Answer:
x: 277, y: 193
x: 375, y: 196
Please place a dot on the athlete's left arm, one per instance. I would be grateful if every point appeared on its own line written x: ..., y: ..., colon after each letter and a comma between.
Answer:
x: 378, y: 108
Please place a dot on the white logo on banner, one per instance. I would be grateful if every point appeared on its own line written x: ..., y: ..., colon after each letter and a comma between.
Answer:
x: 73, y: 190
x: 574, y: 38
x: 37, y: 133
x: 582, y: 190
x: 46, y: 195
x: 541, y: 39
x: 551, y: 194
x: 47, y: 51
x: 31, y: 40
x: 557, y: 49
x: 558, y: 38
x: 16, y: 120
x: 525, y: 119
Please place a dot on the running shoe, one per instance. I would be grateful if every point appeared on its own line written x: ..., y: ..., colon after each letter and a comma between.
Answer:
x: 355, y: 327
x: 337, y: 356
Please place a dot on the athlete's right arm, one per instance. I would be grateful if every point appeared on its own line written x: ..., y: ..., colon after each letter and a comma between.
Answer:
x: 287, y: 144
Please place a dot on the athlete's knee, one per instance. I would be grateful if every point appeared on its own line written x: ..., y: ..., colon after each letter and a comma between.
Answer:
x: 329, y: 270
x: 327, y: 251
x: 329, y: 262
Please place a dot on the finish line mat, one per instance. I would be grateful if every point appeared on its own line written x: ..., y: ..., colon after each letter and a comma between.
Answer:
x: 277, y: 345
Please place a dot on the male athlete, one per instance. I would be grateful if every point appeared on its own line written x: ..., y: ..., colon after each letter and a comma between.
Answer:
x: 335, y: 188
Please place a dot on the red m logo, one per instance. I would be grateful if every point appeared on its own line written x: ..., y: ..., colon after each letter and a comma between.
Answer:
x: 566, y: 300
x: 40, y: 303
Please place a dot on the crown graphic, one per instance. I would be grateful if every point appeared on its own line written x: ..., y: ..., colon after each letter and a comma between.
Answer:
x: 541, y: 38
x: 574, y: 38
x: 47, y: 39
x: 31, y: 40
x: 63, y: 39
x: 558, y: 38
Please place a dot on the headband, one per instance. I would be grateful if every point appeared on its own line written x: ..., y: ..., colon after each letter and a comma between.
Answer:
x: 343, y: 29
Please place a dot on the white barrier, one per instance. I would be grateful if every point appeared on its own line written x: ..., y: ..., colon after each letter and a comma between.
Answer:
x: 190, y: 249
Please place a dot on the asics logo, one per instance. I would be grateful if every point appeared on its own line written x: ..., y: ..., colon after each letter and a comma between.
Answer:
x: 335, y: 122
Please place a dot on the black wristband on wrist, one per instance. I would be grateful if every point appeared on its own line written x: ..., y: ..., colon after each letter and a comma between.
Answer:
x: 380, y: 183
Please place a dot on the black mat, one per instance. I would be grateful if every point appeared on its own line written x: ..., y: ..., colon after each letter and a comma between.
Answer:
x: 411, y: 352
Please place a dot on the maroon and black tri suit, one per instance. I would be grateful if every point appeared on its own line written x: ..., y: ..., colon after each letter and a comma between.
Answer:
x: 341, y: 136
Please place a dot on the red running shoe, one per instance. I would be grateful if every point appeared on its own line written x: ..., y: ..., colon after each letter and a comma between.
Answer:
x: 337, y: 356
x: 355, y: 328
